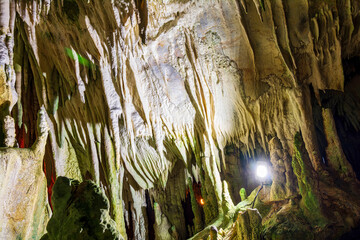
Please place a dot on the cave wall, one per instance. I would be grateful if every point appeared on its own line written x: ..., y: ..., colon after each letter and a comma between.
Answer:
x: 153, y: 92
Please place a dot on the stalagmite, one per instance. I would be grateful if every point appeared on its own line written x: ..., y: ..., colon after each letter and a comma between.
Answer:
x: 248, y: 225
x: 80, y: 211
x: 283, y: 183
x: 24, y: 209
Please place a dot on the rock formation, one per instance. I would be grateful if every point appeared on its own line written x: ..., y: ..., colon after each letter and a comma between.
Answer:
x: 173, y: 101
x: 80, y: 211
x: 248, y: 225
x: 24, y: 209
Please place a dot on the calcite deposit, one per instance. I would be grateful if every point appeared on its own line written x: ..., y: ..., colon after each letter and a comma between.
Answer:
x: 166, y: 105
x: 24, y: 209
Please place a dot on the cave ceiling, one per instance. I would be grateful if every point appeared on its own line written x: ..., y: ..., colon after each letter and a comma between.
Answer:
x: 167, y: 105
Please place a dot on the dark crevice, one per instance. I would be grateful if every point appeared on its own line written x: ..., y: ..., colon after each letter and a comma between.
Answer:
x: 193, y: 202
x: 350, y: 142
x: 346, y: 111
x: 129, y: 224
x: 352, y: 235
x: 142, y: 8
x: 188, y: 214
x: 319, y: 125
x: 49, y: 170
x: 151, y: 217
x: 26, y: 134
x: 351, y: 68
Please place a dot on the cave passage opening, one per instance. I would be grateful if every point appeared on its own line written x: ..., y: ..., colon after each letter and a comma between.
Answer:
x: 150, y: 216
x: 193, y: 201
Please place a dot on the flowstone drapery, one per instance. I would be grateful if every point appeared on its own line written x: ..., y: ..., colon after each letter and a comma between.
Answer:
x: 143, y: 95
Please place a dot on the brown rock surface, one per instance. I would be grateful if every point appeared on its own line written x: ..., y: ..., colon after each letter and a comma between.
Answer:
x: 153, y: 93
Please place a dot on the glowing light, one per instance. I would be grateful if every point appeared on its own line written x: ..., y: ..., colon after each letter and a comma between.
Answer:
x: 81, y: 59
x: 261, y: 171
x: 202, y: 202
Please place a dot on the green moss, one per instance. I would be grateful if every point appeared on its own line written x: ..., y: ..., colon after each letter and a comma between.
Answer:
x: 303, y: 171
x: 263, y: 208
x: 289, y: 225
x: 242, y: 193
x: 80, y: 212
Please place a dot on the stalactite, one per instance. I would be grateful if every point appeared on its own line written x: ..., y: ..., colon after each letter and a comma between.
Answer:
x: 143, y: 95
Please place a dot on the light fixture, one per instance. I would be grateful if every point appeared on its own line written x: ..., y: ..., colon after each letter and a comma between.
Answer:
x: 202, y: 202
x: 261, y: 173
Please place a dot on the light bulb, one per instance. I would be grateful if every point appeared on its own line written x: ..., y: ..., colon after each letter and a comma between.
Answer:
x: 261, y: 171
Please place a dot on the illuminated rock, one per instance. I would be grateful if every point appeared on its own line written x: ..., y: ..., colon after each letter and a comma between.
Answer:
x: 24, y: 209
x: 143, y: 95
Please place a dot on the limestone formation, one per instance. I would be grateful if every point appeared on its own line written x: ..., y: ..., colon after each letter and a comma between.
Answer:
x: 227, y: 201
x: 162, y: 225
x: 196, y: 208
x: 24, y: 209
x: 336, y: 157
x: 248, y: 225
x: 143, y: 95
x: 7, y: 74
x: 308, y: 184
x: 9, y: 130
x: 213, y: 233
x: 80, y: 211
x: 283, y: 185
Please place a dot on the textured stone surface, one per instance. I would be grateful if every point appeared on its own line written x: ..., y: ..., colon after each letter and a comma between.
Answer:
x: 80, y: 211
x: 248, y: 225
x: 24, y: 209
x: 153, y: 93
x: 162, y: 226
x: 283, y: 180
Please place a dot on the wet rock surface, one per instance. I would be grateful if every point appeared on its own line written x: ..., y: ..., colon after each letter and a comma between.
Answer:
x: 174, y: 101
x: 80, y: 211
